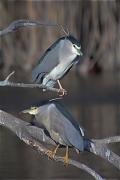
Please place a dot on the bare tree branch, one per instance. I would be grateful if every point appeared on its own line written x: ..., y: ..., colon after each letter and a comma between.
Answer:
x: 6, y: 82
x: 21, y: 23
x: 36, y: 138
x: 103, y: 151
x: 35, y: 144
x: 112, y: 139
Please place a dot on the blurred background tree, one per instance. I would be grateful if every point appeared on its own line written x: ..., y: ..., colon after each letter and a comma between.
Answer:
x: 95, y: 23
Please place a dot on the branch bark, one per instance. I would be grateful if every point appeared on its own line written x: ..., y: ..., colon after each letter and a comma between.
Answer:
x: 36, y: 138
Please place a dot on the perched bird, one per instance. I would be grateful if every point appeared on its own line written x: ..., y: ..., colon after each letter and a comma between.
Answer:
x: 61, y: 127
x: 57, y: 60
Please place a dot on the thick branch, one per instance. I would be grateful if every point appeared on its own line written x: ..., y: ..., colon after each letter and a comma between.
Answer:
x: 41, y: 149
x: 15, y: 25
x: 36, y: 138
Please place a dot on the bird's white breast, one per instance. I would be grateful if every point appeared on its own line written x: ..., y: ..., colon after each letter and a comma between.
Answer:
x: 61, y: 68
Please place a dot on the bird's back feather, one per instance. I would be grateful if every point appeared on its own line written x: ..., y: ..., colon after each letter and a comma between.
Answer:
x: 48, y: 61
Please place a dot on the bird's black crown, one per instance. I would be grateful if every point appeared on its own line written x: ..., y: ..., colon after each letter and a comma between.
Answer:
x: 73, y: 40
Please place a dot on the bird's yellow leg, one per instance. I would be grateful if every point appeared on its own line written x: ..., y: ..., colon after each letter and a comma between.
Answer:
x: 59, y: 84
x: 62, y: 91
x: 55, y: 150
x: 65, y: 158
x: 51, y: 153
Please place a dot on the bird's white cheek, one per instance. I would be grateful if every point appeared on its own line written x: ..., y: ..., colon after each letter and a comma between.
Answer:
x: 74, y: 51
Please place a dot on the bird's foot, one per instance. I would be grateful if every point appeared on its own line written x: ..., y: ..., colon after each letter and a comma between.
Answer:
x: 55, y: 150
x: 62, y: 92
x: 49, y: 154
x: 65, y: 159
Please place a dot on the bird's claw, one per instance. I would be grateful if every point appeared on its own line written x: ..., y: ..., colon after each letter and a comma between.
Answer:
x: 50, y: 154
x: 65, y: 159
x: 62, y: 92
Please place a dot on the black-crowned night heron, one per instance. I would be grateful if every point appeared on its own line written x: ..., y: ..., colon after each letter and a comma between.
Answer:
x: 61, y: 127
x: 57, y: 61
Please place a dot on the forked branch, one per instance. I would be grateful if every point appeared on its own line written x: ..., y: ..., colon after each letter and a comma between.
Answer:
x: 6, y: 82
x: 36, y: 138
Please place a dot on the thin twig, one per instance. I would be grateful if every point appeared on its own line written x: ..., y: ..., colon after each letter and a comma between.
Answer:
x: 21, y: 23
x: 6, y: 82
x: 9, y: 76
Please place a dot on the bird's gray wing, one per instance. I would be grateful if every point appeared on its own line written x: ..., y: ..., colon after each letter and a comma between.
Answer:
x: 47, y: 62
x: 63, y: 126
x: 74, y: 137
x: 66, y: 114
x: 57, y: 124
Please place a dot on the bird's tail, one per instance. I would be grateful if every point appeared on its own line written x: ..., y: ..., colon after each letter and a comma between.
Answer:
x: 87, y: 144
